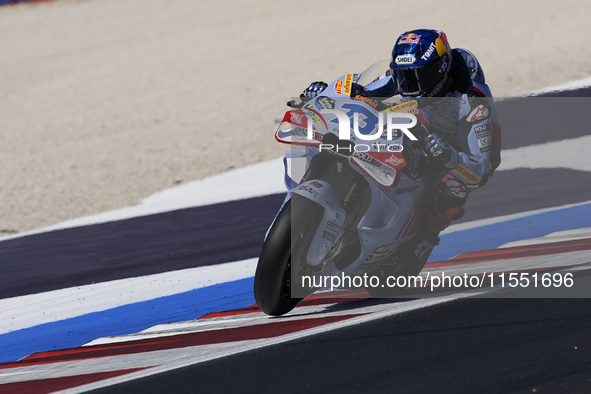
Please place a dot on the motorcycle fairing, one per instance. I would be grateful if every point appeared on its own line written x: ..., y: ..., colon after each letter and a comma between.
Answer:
x: 308, y: 127
x: 391, y: 219
x: 322, y: 193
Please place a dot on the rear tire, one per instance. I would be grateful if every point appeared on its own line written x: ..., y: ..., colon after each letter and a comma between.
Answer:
x: 272, y: 282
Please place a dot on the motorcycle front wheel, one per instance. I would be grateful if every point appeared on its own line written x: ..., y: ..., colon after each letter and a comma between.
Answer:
x: 285, y: 247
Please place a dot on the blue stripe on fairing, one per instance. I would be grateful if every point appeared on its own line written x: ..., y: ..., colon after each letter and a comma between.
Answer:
x: 494, y: 235
x: 136, y: 317
x: 127, y: 319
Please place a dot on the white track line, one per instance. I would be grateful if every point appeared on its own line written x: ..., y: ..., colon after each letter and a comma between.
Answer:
x: 34, y: 309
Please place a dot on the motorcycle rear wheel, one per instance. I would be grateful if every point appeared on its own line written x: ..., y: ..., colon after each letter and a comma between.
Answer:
x: 291, y: 233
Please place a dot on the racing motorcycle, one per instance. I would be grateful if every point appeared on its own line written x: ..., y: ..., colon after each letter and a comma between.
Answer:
x: 357, y: 208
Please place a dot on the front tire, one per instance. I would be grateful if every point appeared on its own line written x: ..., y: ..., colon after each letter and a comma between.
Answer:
x: 292, y: 232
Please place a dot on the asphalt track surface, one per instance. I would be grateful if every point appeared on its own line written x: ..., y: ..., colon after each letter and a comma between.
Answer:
x: 469, y: 345
x: 140, y: 246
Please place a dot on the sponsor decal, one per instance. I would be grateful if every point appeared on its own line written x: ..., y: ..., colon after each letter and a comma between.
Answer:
x: 409, y: 38
x: 385, y: 249
x: 367, y: 100
x: 363, y: 157
x: 407, y: 106
x: 422, y: 248
x: 481, y: 129
x: 318, y: 120
x: 333, y: 205
x: 395, y: 134
x: 455, y: 188
x: 329, y: 236
x: 348, y: 83
x: 316, y: 184
x: 394, y: 161
x: 309, y: 190
x: 464, y: 173
x: 339, y: 86
x: 438, y: 87
x: 325, y: 102
x: 478, y: 113
x: 384, y: 147
x: 321, y: 253
x: 405, y: 59
x: 406, y: 190
x: 384, y: 176
x: 297, y: 118
x: 333, y: 226
x: 483, y: 142
x: 429, y: 52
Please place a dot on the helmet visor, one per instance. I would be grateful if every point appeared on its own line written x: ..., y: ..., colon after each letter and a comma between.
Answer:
x: 414, y: 81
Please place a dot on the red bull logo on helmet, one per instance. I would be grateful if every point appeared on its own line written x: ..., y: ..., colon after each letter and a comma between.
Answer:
x: 409, y: 38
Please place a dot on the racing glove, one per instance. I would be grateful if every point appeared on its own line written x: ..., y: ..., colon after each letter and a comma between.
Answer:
x: 314, y: 90
x: 439, y: 151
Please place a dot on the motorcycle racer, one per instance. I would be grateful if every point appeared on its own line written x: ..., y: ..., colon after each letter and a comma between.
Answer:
x: 457, y: 121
